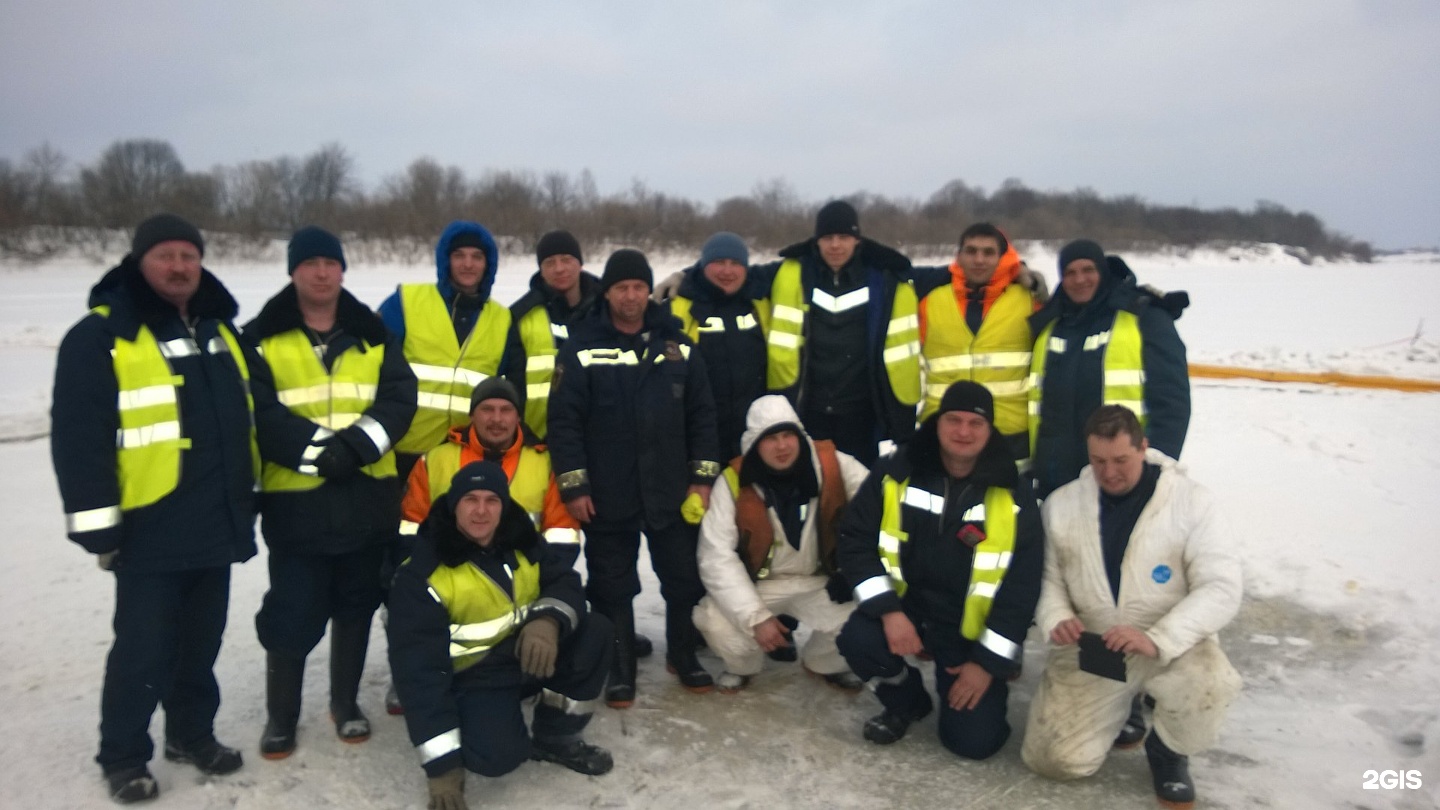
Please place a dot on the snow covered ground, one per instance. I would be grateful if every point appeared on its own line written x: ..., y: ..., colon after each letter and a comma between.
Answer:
x: 1333, y: 489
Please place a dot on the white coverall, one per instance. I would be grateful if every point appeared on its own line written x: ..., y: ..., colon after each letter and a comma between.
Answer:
x: 1180, y: 582
x: 734, y: 604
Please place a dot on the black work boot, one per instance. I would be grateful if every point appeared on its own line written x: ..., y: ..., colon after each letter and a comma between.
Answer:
x: 1133, y: 732
x: 131, y: 785
x: 208, y: 755
x: 349, y: 640
x: 644, y: 647
x: 556, y: 736
x: 905, y: 702
x: 682, y: 639
x: 1171, y: 774
x: 284, y: 677
x: 620, y: 689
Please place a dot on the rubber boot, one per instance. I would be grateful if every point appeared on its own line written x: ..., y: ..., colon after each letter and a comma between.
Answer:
x: 644, y: 648
x: 905, y: 701
x: 682, y: 639
x: 620, y: 690
x: 1171, y: 774
x: 1133, y: 732
x: 284, y: 677
x: 349, y: 641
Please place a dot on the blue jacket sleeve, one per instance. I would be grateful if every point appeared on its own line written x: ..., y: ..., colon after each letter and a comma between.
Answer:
x: 703, y: 441
x: 393, y: 315
x: 1167, y: 382
x: 83, y: 422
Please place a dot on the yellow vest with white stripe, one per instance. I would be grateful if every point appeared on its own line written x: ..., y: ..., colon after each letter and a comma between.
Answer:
x: 148, y: 444
x: 998, y: 356
x: 539, y: 335
x: 992, y: 555
x: 527, y: 488
x: 680, y: 307
x: 481, y: 613
x: 333, y: 399
x: 788, y: 308
x: 447, y: 371
x: 1123, y: 363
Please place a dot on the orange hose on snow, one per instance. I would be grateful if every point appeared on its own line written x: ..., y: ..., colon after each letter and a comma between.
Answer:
x: 1321, y: 377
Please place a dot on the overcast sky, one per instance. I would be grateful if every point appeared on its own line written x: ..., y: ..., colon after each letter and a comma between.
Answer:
x: 1321, y: 105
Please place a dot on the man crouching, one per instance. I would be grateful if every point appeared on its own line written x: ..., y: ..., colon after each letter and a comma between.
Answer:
x: 482, y: 615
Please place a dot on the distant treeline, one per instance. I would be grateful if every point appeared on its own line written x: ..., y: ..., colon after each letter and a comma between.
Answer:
x: 43, y: 193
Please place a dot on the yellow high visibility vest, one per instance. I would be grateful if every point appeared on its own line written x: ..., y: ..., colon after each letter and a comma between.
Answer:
x: 481, y: 613
x: 758, y: 319
x: 149, y: 441
x: 333, y: 400
x: 992, y: 555
x: 1123, y: 362
x: 447, y: 372
x: 527, y: 488
x: 998, y: 357
x: 788, y: 308
x: 539, y: 335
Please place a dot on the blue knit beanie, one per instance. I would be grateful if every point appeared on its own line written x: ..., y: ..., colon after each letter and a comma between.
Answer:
x: 310, y: 242
x: 724, y: 245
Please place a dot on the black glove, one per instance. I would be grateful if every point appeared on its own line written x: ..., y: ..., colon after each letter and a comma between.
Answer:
x: 838, y: 589
x: 338, y: 460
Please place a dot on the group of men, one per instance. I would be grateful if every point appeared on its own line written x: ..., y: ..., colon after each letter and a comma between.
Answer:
x: 444, y: 455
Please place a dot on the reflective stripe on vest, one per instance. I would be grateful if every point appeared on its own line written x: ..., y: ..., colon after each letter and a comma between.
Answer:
x: 150, y: 438
x: 540, y: 338
x: 998, y: 356
x: 527, y: 487
x: 333, y: 400
x: 447, y: 372
x: 992, y: 555
x: 1123, y: 361
x: 481, y: 613
x: 788, y: 306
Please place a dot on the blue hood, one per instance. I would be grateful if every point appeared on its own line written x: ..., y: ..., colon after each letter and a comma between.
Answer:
x: 442, y: 257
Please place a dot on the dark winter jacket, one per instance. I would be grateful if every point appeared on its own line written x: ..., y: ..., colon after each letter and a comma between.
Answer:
x: 734, y: 357
x: 419, y: 625
x: 341, y: 515
x: 632, y: 435
x: 882, y: 269
x: 1074, y: 379
x: 209, y: 519
x: 559, y: 309
x: 464, y: 309
x: 936, y: 564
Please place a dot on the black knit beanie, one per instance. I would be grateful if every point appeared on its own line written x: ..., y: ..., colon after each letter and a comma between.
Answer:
x: 971, y: 397
x: 624, y: 265
x: 485, y: 475
x: 311, y: 242
x: 557, y: 243
x: 1082, y: 249
x: 494, y: 388
x: 164, y: 228
x: 837, y: 217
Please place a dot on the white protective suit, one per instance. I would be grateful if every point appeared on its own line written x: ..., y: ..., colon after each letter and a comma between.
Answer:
x: 734, y: 605
x: 1180, y: 582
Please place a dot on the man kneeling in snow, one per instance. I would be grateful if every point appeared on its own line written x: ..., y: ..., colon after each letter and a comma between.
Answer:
x: 767, y: 545
x: 483, y: 614
x: 1137, y: 554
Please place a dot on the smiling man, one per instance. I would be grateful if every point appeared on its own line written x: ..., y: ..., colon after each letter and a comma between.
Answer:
x: 1137, y: 553
x: 944, y: 548
x: 1102, y: 340
x: 329, y: 482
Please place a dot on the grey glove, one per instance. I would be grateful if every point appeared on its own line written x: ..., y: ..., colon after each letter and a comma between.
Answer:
x: 667, y: 288
x: 447, y: 791
x: 1034, y: 282
x: 537, y: 646
x: 106, y: 560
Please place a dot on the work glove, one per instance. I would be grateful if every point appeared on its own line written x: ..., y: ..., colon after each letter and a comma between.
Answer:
x: 838, y: 589
x: 537, y: 647
x: 106, y: 560
x: 1034, y: 282
x: 337, y: 461
x: 667, y: 288
x: 447, y: 791
x: 693, y: 509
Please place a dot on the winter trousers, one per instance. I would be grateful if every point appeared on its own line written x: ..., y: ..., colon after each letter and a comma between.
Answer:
x: 168, y: 628
x: 971, y: 733
x: 853, y: 432
x: 1076, y: 715
x: 611, y: 556
x: 802, y: 597
x: 308, y: 590
x: 493, y: 737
